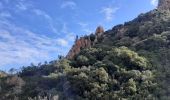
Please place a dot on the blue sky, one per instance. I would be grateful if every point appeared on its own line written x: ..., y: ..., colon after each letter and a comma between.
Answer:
x: 33, y: 31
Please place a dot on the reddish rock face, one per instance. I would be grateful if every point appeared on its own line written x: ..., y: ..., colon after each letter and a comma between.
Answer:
x: 164, y: 5
x: 84, y: 43
x: 79, y: 44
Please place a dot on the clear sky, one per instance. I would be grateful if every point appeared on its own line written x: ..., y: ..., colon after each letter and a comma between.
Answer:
x: 33, y: 31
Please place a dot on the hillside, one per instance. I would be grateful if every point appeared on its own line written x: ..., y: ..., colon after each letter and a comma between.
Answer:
x: 131, y: 61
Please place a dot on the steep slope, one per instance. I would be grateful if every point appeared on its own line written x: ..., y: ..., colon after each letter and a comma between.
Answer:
x: 148, y: 35
x: 131, y: 61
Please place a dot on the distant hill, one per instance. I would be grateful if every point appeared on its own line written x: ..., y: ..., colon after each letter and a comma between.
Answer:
x: 131, y: 61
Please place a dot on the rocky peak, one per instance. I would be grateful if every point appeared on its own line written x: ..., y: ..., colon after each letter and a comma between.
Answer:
x: 78, y: 45
x: 84, y: 42
x: 164, y: 5
x: 99, y: 31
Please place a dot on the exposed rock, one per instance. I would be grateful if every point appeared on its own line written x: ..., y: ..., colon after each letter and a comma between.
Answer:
x: 79, y: 44
x: 99, y: 31
x: 164, y: 5
x: 84, y: 42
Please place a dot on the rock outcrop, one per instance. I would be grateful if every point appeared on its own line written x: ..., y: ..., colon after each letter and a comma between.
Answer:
x: 164, y: 5
x: 99, y: 31
x: 84, y: 42
x: 79, y: 44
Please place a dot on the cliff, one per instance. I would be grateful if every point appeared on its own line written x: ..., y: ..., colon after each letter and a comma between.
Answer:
x: 79, y: 44
x: 85, y: 42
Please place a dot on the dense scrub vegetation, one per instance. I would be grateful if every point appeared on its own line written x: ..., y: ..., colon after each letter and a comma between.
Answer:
x: 130, y: 62
x: 96, y: 73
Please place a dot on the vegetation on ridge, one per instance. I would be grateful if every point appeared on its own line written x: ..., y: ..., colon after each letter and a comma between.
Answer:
x: 129, y: 62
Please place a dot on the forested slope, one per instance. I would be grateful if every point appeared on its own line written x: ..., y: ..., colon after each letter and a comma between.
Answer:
x: 128, y: 62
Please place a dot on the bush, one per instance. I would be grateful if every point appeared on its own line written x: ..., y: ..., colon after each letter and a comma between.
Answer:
x: 82, y: 60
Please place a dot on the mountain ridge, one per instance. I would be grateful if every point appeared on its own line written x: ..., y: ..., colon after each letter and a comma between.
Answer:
x: 85, y: 42
x: 131, y: 61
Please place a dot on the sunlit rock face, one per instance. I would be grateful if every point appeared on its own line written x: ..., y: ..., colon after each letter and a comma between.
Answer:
x: 79, y: 44
x: 164, y: 5
x: 84, y: 42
